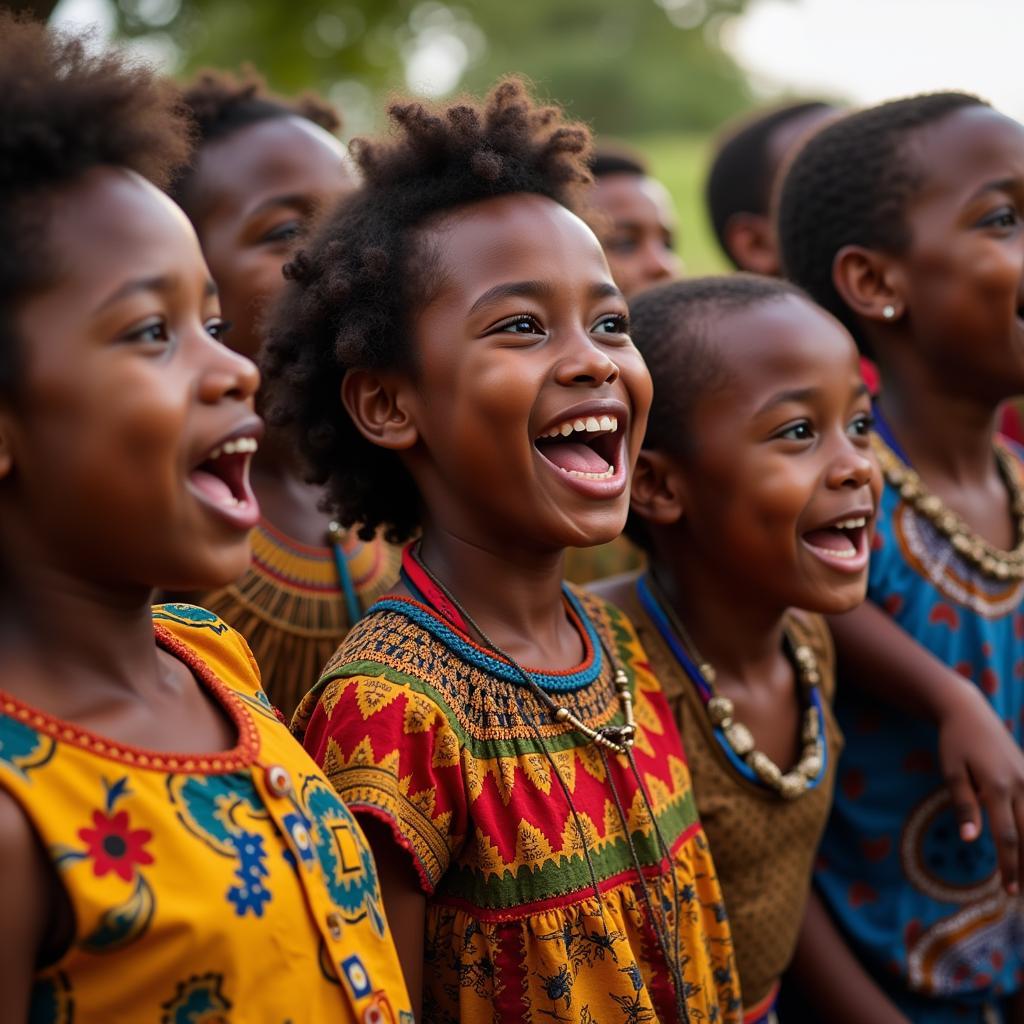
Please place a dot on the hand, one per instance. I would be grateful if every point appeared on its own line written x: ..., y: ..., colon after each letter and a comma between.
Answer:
x: 984, y: 766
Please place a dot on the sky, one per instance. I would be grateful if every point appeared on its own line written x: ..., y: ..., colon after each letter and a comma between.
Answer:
x: 871, y: 50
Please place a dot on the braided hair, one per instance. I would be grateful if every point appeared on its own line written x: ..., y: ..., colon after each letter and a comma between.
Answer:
x: 850, y: 185
x: 353, y: 287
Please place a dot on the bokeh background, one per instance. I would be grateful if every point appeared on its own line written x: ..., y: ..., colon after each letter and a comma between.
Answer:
x: 663, y: 75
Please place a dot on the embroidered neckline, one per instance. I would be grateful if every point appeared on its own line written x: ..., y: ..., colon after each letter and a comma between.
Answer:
x: 243, y: 754
x: 462, y: 645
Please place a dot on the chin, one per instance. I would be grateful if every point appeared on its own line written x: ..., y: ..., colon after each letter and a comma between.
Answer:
x: 210, y: 574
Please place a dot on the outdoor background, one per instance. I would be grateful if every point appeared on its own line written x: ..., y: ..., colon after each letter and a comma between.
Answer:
x: 663, y: 75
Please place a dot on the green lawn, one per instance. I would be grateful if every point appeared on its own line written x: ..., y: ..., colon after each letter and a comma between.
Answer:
x: 681, y: 162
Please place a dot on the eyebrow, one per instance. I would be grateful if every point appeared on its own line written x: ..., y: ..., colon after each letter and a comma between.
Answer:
x: 1001, y: 185
x: 159, y: 283
x: 295, y: 200
x: 804, y: 395
x: 536, y: 290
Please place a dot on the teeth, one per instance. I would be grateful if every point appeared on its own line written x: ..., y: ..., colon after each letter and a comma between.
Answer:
x: 835, y: 554
x: 240, y: 446
x: 591, y: 425
x: 606, y: 475
x: 851, y: 524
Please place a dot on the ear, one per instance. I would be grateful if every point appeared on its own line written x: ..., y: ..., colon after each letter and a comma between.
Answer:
x: 868, y: 283
x: 376, y: 402
x: 658, y: 490
x: 750, y: 240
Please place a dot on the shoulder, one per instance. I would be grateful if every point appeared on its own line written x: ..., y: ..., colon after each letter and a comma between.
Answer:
x: 811, y: 630
x: 196, y: 632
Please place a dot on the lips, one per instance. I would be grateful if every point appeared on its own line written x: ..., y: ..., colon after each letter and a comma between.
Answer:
x: 221, y: 479
x: 842, y: 543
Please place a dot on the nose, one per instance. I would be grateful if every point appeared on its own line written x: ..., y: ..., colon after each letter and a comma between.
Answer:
x: 852, y: 467
x: 586, y: 363
x: 661, y: 263
x: 227, y: 374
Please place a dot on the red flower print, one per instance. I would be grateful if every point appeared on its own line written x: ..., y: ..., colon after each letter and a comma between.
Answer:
x: 113, y: 846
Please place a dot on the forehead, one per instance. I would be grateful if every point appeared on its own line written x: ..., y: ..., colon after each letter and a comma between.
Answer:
x: 781, y: 344
x: 632, y: 197
x: 112, y: 224
x: 277, y: 156
x: 519, y: 237
x: 966, y: 150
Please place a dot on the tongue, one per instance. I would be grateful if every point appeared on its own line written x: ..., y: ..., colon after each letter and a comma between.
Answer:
x: 212, y: 486
x: 573, y: 455
x: 830, y: 540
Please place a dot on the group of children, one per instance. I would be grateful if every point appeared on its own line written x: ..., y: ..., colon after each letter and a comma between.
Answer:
x: 519, y: 800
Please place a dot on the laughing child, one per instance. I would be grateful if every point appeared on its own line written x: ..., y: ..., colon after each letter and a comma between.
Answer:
x: 754, y: 496
x: 454, y: 357
x: 166, y: 849
x: 906, y: 221
x: 263, y: 168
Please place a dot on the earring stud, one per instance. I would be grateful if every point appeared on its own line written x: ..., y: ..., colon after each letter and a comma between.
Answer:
x: 888, y: 311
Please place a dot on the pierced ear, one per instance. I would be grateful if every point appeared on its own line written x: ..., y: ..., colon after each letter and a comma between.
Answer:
x: 868, y: 283
x: 750, y: 240
x: 375, y: 403
x: 657, y: 492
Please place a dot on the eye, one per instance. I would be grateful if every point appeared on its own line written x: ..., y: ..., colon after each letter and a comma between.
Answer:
x: 217, y: 328
x: 153, y: 332
x: 284, y: 232
x: 616, y: 323
x: 522, y: 323
x: 1004, y: 217
x: 797, y: 432
x: 624, y: 244
x: 861, y: 425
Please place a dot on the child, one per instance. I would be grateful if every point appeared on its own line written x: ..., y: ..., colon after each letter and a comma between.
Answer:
x: 454, y: 357
x: 167, y: 851
x: 905, y: 221
x: 637, y: 225
x: 754, y: 495
x: 263, y: 168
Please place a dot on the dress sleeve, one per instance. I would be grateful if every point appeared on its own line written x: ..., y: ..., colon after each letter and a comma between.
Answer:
x: 391, y: 752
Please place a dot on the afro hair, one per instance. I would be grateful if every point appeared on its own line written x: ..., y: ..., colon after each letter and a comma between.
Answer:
x: 66, y: 108
x: 850, y: 185
x: 352, y: 289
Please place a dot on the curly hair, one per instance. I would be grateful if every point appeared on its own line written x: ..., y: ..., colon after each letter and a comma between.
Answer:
x: 221, y: 103
x: 742, y: 172
x: 850, y: 185
x: 64, y: 109
x: 352, y: 290
x: 673, y: 327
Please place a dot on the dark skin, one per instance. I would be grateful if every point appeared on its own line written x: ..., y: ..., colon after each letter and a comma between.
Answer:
x: 783, y: 451
x: 639, y: 236
x: 254, y: 195
x: 125, y: 389
x: 953, y: 351
x: 525, y: 329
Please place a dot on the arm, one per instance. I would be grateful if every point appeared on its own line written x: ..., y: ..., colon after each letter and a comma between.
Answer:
x: 832, y: 979
x: 404, y: 904
x: 24, y: 909
x: 979, y: 757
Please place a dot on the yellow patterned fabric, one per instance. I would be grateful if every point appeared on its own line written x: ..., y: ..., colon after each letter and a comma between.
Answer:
x: 424, y: 730
x: 290, y: 605
x: 224, y: 889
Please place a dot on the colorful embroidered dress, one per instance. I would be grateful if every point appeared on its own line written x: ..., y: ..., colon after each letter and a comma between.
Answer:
x: 421, y: 728
x: 234, y: 887
x: 764, y: 845
x: 293, y: 609
x: 923, y: 910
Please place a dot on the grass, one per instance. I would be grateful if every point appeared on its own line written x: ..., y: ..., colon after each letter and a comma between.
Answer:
x: 681, y: 162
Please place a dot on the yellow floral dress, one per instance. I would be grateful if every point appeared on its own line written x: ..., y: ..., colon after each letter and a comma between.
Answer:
x: 227, y: 888
x: 424, y: 730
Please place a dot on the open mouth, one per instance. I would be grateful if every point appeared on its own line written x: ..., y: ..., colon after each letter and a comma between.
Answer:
x: 584, y: 447
x: 843, y: 543
x: 222, y: 479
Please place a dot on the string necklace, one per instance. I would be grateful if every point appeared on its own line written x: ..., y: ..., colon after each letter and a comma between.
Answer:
x: 336, y: 534
x: 973, y: 548
x: 735, y: 737
x: 618, y: 739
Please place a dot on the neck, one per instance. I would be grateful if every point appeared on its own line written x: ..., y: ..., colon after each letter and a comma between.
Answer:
x: 516, y: 601
x: 286, y: 500
x: 738, y: 635
x: 945, y: 435
x: 81, y: 636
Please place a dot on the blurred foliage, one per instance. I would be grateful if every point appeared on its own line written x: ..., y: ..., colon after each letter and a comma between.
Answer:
x: 626, y: 66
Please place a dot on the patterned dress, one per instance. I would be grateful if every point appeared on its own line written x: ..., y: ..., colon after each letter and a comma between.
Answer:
x: 925, y: 911
x: 222, y: 888
x: 291, y: 607
x: 421, y: 728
